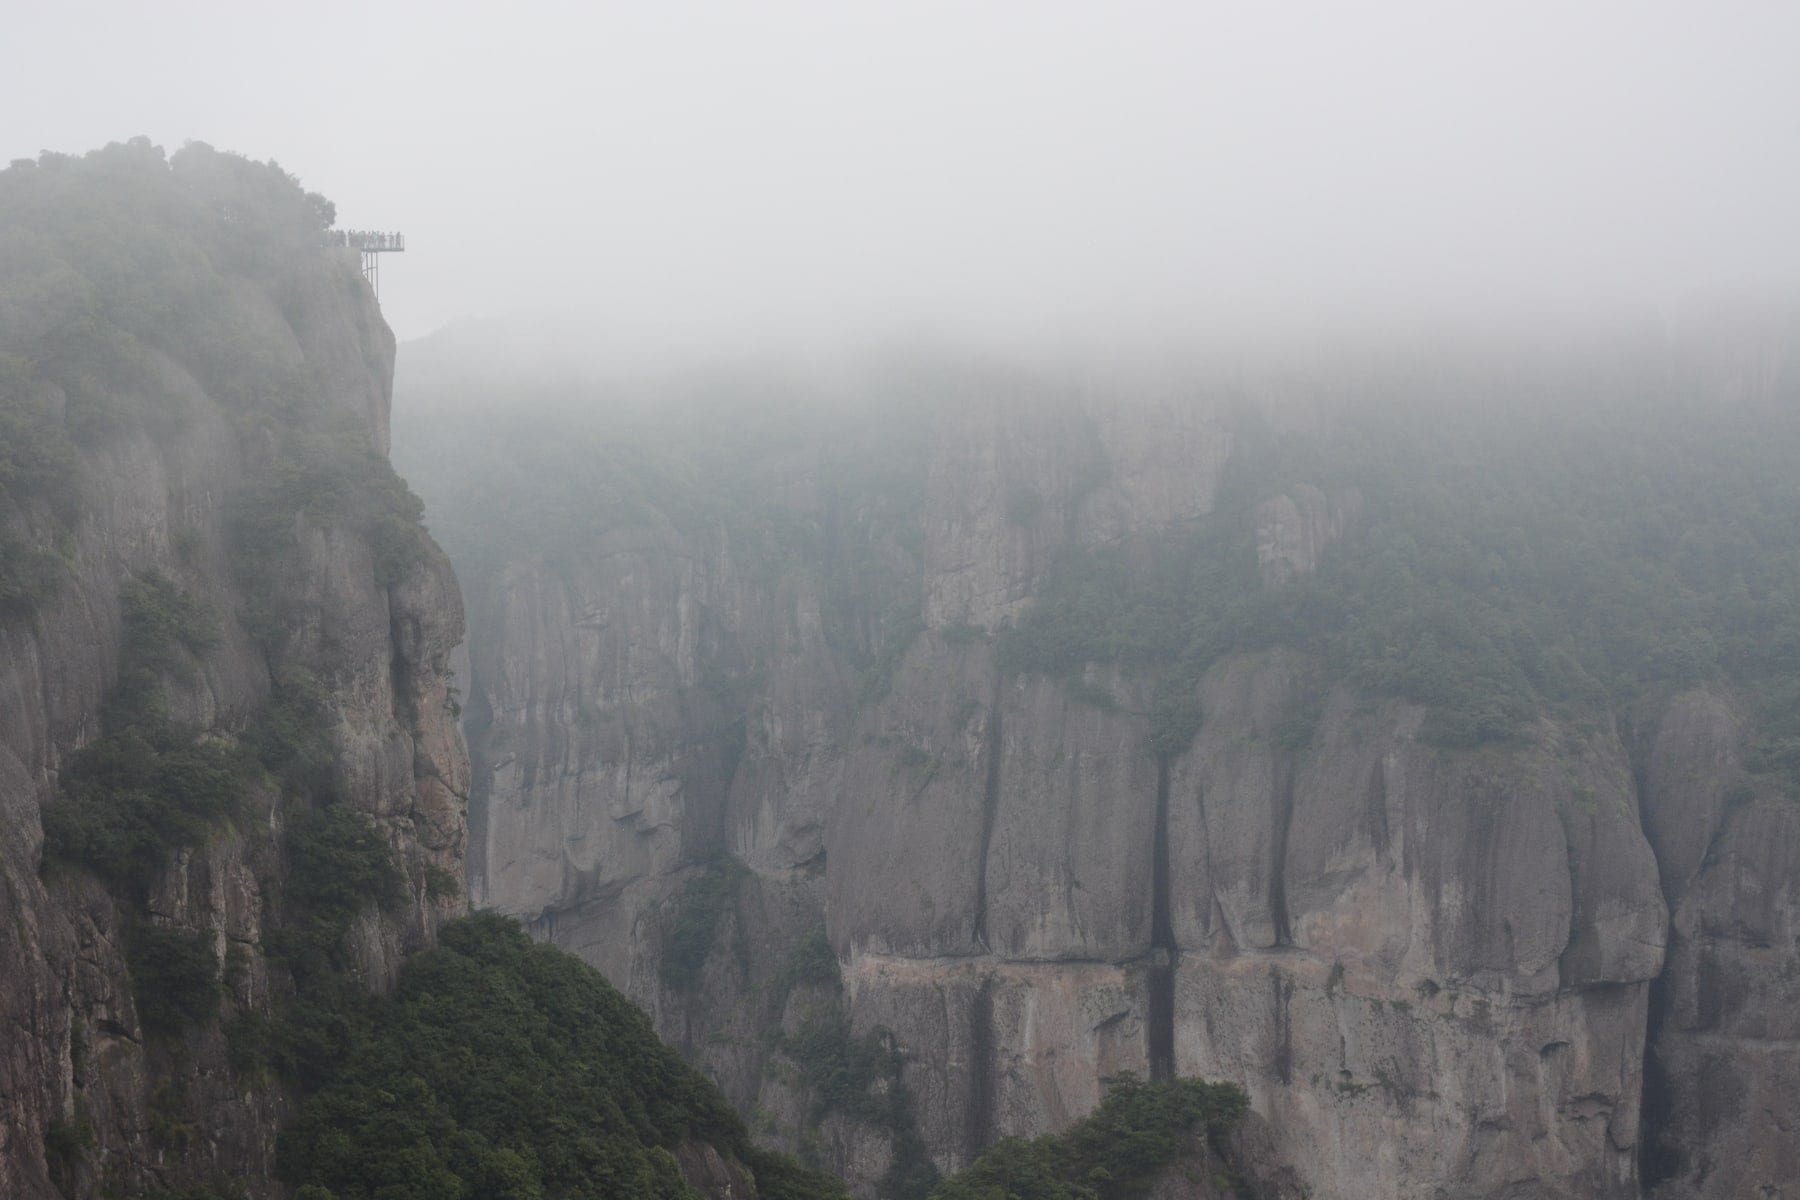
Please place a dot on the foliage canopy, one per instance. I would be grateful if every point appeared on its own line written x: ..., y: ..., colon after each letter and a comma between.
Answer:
x: 501, y: 1067
x: 1114, y: 1153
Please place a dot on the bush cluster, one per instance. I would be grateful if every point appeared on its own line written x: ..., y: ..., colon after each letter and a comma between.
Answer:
x: 1114, y: 1153
x: 174, y: 977
x: 1510, y: 562
x: 147, y: 786
x: 859, y: 1076
x: 501, y: 1067
x: 692, y: 922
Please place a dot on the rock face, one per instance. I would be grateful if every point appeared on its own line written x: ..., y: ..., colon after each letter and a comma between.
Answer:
x: 1564, y: 967
x: 1725, y: 1015
x: 1445, y: 959
x: 90, y: 1103
x: 1292, y: 531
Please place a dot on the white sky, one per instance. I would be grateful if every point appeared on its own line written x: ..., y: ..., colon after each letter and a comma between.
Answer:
x: 710, y: 171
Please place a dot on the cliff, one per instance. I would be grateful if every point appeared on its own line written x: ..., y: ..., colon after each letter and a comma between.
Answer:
x: 180, y: 352
x: 1420, y: 772
x: 232, y: 780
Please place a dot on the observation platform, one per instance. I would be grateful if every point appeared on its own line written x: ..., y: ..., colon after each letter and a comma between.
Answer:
x: 372, y: 243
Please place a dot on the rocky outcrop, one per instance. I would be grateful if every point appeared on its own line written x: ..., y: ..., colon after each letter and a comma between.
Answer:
x: 1551, y: 967
x: 1721, y: 1109
x: 641, y: 709
x: 90, y: 1101
x: 1444, y: 956
x: 1292, y: 531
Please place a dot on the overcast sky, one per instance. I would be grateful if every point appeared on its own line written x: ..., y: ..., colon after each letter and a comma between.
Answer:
x: 659, y: 169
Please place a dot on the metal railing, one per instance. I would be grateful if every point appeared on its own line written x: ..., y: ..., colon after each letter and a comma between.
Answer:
x: 369, y: 241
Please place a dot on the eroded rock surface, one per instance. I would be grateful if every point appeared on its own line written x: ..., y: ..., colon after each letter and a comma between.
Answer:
x: 1436, y: 971
x: 87, y: 1096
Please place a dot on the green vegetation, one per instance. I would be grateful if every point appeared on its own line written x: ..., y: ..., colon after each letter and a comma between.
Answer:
x: 848, y: 1075
x: 289, y: 735
x: 111, y: 266
x: 67, y: 1141
x: 147, y: 786
x: 1114, y: 1153
x: 841, y: 1069
x: 37, y: 469
x: 692, y: 923
x: 165, y: 632
x: 338, y: 865
x: 125, y: 255
x: 504, y: 1068
x: 1546, y: 557
x: 160, y: 620
x: 498, y: 1068
x: 37, y: 460
x: 174, y: 976
x: 327, y: 477
x: 126, y: 279
x: 135, y: 796
x: 811, y: 963
x: 171, y: 1127
x: 860, y: 1077
x: 441, y: 884
x: 29, y: 575
x: 1198, y: 598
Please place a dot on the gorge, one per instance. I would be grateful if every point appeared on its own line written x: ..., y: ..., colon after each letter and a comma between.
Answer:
x: 938, y: 747
x: 1410, y: 742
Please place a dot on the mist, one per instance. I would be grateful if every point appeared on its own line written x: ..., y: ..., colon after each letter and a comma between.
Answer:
x: 692, y: 176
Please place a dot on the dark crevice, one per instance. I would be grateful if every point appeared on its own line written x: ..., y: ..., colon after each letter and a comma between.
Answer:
x: 1284, y: 819
x: 1660, y: 1157
x: 990, y: 806
x: 1639, y: 744
x: 1161, y: 1001
x: 1162, y: 1017
x: 1282, y: 993
x: 1659, y: 1152
x: 979, y: 1125
x: 477, y: 722
x: 1377, y: 810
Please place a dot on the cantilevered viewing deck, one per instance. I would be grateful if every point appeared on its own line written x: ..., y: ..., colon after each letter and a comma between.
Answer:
x: 373, y: 244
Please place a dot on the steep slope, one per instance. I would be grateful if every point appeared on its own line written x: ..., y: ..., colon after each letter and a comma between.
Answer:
x: 1342, y: 742
x: 224, y: 586
x: 232, y: 781
x: 501, y: 1067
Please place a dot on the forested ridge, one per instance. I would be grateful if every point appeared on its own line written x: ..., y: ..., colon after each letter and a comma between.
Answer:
x: 1513, y: 558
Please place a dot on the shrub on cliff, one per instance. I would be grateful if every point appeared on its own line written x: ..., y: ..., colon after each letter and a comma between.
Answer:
x: 692, y: 921
x: 37, y: 468
x: 1114, y: 1153
x: 135, y: 796
x: 147, y: 786
x: 174, y: 976
x: 500, y: 1067
x: 338, y: 865
x: 1528, y: 560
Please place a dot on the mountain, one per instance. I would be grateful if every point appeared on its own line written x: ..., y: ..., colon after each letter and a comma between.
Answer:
x: 232, y: 779
x: 1409, y: 738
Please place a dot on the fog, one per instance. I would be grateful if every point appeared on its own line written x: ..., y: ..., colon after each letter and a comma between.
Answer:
x: 720, y: 176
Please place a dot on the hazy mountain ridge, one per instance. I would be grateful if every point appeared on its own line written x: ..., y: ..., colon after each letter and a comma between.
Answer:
x: 1410, y: 882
